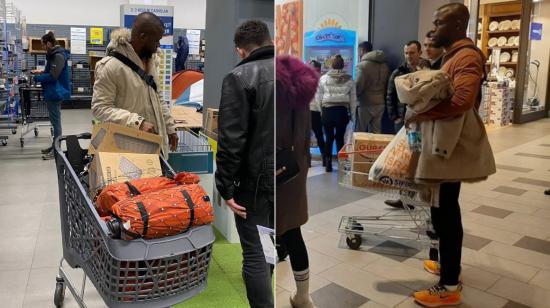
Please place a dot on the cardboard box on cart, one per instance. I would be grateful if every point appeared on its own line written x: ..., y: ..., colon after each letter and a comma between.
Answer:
x: 110, y: 168
x: 122, y: 153
x: 370, y: 147
x: 114, y: 138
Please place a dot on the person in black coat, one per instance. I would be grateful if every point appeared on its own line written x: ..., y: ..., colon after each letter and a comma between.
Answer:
x: 245, y: 159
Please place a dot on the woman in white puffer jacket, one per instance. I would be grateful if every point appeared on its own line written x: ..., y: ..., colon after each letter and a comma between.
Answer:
x: 337, y: 100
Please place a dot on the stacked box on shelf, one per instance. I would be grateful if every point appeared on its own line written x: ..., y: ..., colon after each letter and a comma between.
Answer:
x: 497, y: 103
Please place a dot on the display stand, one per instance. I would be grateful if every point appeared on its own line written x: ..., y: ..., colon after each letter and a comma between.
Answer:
x: 11, y: 27
x: 494, y: 29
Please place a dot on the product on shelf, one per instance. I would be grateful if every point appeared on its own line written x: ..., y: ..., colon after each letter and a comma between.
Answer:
x: 497, y: 103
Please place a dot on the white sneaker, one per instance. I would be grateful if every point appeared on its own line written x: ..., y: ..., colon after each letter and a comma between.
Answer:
x: 295, y: 304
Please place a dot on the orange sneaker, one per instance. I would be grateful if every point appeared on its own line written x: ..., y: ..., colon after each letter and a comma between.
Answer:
x: 432, y: 267
x: 438, y: 296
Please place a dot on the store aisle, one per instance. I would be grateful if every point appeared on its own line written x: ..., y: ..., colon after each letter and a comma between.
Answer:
x: 29, y: 220
x: 506, y: 254
x: 31, y: 245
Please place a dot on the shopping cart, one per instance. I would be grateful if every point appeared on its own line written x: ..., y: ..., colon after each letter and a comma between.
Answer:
x: 34, y: 112
x: 409, y: 224
x: 137, y: 273
x: 193, y: 154
x: 9, y: 116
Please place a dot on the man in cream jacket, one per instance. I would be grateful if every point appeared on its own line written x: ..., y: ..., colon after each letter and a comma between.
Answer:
x: 120, y: 95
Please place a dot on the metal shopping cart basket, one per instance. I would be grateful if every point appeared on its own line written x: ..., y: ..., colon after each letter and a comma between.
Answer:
x: 411, y: 225
x: 34, y: 112
x: 137, y: 273
x: 193, y: 154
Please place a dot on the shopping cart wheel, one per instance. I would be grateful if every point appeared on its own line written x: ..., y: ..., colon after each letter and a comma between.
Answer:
x: 14, y: 131
x: 36, y: 132
x: 434, y: 254
x: 354, y: 241
x: 22, y: 142
x: 4, y: 142
x: 59, y: 295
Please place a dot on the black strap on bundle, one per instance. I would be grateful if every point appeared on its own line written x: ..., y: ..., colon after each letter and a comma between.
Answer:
x: 144, y: 217
x: 133, y: 190
x: 149, y: 80
x: 191, y: 208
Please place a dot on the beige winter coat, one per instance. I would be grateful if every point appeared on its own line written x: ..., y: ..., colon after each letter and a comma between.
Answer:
x: 472, y: 159
x: 421, y: 91
x: 122, y: 97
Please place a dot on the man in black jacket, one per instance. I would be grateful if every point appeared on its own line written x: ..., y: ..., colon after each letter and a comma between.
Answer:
x: 413, y: 62
x: 245, y: 168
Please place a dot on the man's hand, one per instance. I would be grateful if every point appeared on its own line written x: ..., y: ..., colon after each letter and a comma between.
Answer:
x: 173, y: 139
x: 398, y: 120
x: 237, y: 209
x: 147, y: 127
x: 37, y: 72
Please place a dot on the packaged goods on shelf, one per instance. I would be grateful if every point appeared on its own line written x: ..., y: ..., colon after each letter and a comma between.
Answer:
x: 497, y: 103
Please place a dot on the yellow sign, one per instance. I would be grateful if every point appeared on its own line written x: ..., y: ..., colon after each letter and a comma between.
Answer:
x: 96, y: 36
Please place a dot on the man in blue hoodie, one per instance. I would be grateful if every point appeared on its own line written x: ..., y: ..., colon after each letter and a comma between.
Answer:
x: 56, y: 84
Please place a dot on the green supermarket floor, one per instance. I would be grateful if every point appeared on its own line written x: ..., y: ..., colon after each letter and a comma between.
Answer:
x: 31, y: 240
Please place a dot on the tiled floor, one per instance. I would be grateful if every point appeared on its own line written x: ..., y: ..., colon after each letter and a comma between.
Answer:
x: 29, y: 222
x: 506, y: 250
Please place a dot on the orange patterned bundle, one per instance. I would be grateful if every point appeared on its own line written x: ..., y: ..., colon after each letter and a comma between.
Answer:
x: 165, y: 212
x: 121, y: 191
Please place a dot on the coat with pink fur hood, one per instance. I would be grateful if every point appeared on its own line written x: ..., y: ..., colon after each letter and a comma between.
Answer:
x: 296, y: 86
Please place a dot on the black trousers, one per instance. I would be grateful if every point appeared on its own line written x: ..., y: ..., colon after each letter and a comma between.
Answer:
x: 317, y: 128
x: 296, y: 248
x: 447, y: 223
x: 335, y: 120
x: 257, y: 272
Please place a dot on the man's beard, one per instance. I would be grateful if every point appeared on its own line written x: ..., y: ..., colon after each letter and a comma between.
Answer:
x: 145, y: 54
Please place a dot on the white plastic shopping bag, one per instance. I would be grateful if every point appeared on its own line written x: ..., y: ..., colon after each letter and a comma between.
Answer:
x: 348, y: 137
x: 393, y: 166
x: 266, y: 235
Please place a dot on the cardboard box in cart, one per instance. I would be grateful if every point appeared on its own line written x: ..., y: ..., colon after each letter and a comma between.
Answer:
x: 110, y: 168
x: 114, y: 138
x: 370, y: 147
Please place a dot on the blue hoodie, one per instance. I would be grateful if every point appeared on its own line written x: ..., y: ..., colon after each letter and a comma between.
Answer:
x: 55, y: 79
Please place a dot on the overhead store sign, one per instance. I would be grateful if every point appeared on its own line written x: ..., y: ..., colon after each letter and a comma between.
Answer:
x: 128, y: 13
x: 166, y: 14
x: 536, y: 31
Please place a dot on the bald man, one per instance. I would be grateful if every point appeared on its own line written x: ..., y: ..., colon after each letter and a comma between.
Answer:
x: 472, y: 158
x: 130, y: 97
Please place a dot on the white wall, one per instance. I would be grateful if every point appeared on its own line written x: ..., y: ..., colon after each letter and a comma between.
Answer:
x: 540, y: 50
x: 188, y: 14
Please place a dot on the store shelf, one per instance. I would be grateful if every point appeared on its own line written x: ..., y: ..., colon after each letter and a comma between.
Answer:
x: 505, y: 15
x: 504, y: 63
x: 504, y: 47
x: 503, y: 31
